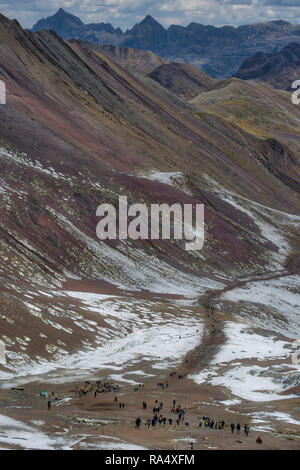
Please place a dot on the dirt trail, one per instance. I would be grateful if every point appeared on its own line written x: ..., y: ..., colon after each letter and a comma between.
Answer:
x: 212, y: 339
x: 213, y: 336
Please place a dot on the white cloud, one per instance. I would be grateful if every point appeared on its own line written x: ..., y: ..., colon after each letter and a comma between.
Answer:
x: 125, y: 13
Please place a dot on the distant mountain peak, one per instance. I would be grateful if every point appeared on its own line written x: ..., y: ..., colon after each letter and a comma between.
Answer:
x: 57, y: 21
x: 149, y: 19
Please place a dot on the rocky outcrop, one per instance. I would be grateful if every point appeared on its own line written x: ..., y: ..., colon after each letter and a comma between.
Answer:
x: 279, y: 69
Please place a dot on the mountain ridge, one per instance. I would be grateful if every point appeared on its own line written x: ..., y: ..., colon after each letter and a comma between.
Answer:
x: 279, y: 69
x: 218, y: 51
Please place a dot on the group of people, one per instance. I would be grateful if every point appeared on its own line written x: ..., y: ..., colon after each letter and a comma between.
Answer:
x: 204, y: 421
x: 173, y: 374
x: 238, y: 428
x: 139, y: 388
x: 163, y: 385
x: 82, y: 390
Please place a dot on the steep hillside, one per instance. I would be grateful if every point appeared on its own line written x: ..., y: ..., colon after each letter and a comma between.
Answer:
x: 79, y: 130
x: 256, y: 108
x: 278, y: 69
x: 133, y: 60
x: 184, y: 80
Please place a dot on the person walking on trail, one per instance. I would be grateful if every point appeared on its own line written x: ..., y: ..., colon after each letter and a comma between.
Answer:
x: 49, y: 404
x: 177, y: 421
x: 138, y: 422
x: 232, y: 428
x: 238, y: 428
x: 259, y: 440
x: 246, y: 429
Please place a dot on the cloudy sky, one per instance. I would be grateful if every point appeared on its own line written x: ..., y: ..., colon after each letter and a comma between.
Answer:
x: 125, y: 13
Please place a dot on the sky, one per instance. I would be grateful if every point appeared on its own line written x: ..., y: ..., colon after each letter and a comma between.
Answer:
x: 126, y: 13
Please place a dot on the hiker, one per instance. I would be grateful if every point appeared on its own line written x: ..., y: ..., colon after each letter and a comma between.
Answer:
x: 246, y: 429
x: 178, y: 421
x: 259, y: 440
x: 170, y: 421
x: 232, y: 428
x: 138, y: 422
x: 144, y: 405
x: 49, y: 404
x: 238, y: 428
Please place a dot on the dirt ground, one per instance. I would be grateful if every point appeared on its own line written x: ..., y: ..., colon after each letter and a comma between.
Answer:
x: 89, y: 421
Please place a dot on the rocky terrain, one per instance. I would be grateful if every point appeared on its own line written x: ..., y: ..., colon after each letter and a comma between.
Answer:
x: 133, y: 60
x: 279, y: 69
x: 185, y: 80
x: 217, y: 51
x: 69, y: 26
x: 79, y: 129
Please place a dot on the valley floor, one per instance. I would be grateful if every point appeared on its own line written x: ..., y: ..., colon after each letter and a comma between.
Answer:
x: 232, y: 371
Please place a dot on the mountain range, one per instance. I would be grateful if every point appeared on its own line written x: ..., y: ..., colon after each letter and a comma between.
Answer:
x: 84, y: 124
x: 279, y: 69
x: 97, y: 131
x: 218, y: 51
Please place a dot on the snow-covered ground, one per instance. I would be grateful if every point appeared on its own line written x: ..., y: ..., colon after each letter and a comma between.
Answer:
x: 172, y: 178
x: 255, y: 382
x: 16, y: 433
x: 135, y: 333
x: 274, y: 303
x: 274, y: 225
